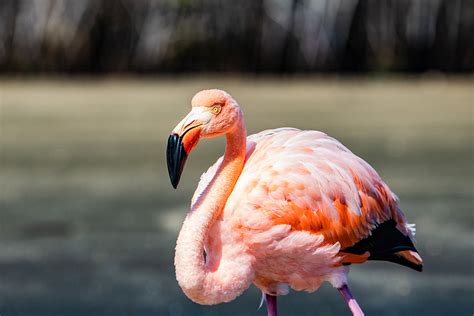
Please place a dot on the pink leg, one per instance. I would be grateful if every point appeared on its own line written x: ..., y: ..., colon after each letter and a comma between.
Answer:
x: 350, y: 300
x: 271, y: 305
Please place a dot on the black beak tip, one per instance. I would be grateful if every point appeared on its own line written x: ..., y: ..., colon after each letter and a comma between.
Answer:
x: 174, y: 183
x: 176, y: 158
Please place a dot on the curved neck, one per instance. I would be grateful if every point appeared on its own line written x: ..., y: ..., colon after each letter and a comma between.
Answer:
x: 221, y: 281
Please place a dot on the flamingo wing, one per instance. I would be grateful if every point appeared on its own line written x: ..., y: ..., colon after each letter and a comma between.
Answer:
x: 313, y: 183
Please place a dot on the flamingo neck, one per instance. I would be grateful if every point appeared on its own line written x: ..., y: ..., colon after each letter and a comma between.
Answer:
x: 215, y: 280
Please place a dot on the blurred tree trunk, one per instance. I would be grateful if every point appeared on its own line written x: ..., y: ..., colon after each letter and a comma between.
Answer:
x: 289, y: 38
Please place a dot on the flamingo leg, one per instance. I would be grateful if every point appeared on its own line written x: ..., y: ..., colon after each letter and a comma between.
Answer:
x: 271, y: 305
x: 350, y: 300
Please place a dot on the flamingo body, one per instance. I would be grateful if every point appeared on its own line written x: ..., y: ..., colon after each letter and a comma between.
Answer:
x: 302, y: 196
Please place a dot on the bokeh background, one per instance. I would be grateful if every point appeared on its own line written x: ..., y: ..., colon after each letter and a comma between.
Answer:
x: 90, y: 89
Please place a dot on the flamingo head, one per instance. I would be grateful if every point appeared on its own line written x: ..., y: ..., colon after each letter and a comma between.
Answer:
x: 214, y: 112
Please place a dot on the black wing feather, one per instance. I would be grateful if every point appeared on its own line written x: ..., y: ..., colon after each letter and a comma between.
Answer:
x: 384, y: 243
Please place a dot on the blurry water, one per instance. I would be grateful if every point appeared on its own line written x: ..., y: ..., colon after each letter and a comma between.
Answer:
x: 89, y: 219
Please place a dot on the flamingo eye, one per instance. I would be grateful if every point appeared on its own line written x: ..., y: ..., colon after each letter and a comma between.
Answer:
x: 216, y: 109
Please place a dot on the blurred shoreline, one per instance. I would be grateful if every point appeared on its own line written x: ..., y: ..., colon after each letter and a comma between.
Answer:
x: 356, y: 78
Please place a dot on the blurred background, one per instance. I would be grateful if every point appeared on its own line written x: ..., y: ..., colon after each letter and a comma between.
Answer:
x: 254, y: 36
x: 89, y: 91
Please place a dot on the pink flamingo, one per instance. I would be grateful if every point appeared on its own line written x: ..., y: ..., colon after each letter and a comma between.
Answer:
x: 282, y: 208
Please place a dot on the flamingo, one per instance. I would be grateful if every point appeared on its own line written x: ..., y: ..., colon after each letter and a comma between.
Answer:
x: 284, y: 208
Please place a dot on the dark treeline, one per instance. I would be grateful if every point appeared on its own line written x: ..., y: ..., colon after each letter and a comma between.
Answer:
x: 99, y: 36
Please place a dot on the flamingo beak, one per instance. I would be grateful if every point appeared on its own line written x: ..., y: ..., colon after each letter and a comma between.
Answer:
x: 182, y: 140
x: 176, y: 157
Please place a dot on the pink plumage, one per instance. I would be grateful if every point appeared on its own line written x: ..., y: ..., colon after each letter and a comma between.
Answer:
x: 282, y: 208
